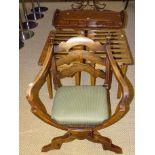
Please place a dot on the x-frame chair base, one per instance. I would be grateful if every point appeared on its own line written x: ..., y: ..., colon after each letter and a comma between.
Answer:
x: 89, y: 135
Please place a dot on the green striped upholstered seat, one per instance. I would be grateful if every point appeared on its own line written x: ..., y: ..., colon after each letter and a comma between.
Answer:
x: 80, y: 105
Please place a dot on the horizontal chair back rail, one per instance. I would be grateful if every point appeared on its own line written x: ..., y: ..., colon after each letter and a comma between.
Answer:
x: 78, y: 61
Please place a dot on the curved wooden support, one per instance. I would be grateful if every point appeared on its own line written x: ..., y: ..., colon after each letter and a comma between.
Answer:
x: 124, y: 70
x: 77, y: 55
x: 105, y: 141
x: 71, y: 135
x: 84, y: 41
x: 113, y: 148
x: 37, y: 107
x: 63, y: 66
x: 125, y: 86
x: 58, y: 141
x: 97, y: 138
x: 69, y: 72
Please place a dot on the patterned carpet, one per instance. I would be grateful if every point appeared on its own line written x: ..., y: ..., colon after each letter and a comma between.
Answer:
x: 33, y: 132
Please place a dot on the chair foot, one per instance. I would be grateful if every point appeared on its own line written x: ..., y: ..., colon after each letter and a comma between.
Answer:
x: 51, y: 146
x: 113, y: 148
x: 57, y: 142
x: 106, y: 142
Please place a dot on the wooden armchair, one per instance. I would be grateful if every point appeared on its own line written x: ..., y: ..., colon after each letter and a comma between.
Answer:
x: 80, y: 110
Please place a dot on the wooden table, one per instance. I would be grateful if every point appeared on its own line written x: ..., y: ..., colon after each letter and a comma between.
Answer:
x: 97, y: 25
x: 119, y: 46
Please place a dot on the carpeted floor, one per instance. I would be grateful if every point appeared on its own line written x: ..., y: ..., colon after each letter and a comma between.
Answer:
x: 33, y: 132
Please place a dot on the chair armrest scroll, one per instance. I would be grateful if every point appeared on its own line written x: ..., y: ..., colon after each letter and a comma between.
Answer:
x: 123, y: 104
x: 37, y: 107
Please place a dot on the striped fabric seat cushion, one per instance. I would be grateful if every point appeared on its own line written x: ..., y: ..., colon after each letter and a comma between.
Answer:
x: 80, y: 105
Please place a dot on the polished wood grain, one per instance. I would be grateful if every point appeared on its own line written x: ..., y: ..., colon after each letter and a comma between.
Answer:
x: 80, y: 132
x: 54, y: 38
x: 119, y: 44
x: 71, y: 135
x: 124, y: 70
x: 82, y: 19
x: 119, y: 47
x: 70, y: 71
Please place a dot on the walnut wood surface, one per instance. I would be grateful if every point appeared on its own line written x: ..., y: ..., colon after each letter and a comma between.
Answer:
x: 89, y: 19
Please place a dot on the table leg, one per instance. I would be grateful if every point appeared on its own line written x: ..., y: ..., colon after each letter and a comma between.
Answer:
x: 124, y: 70
x: 49, y: 85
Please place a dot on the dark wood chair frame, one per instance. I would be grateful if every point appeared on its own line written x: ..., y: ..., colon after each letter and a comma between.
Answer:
x: 89, y: 132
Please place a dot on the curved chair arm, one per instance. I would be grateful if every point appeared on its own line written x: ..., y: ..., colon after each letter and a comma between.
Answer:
x: 123, y: 105
x: 37, y: 107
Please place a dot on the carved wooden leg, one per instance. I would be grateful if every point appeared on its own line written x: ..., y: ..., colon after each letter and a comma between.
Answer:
x: 124, y: 70
x: 97, y: 138
x: 57, y: 142
x: 113, y: 148
x: 106, y: 142
x: 49, y: 85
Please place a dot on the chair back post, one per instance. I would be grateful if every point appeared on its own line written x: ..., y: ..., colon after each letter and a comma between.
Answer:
x: 108, y: 72
x: 108, y: 79
x: 56, y: 79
